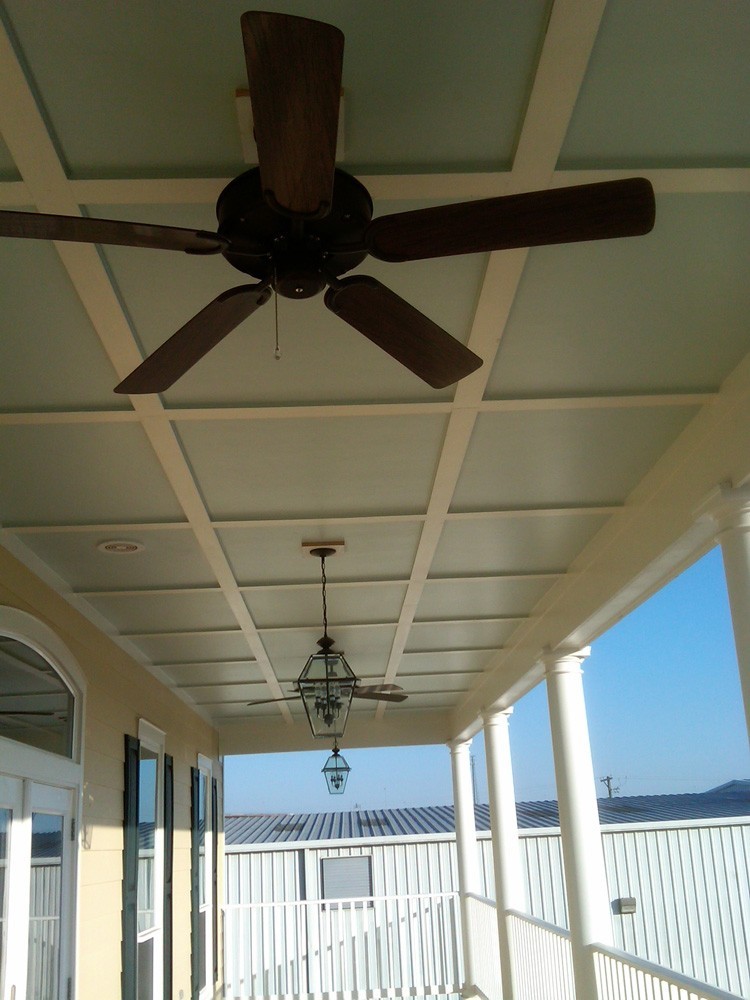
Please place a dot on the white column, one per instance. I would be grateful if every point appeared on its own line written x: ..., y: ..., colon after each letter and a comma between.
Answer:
x: 466, y: 845
x: 730, y: 509
x: 583, y: 858
x: 509, y: 885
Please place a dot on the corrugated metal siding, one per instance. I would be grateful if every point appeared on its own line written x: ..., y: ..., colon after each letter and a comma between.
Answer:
x: 692, y: 886
x: 692, y: 891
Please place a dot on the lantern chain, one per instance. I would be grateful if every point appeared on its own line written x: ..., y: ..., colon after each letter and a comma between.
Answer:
x: 325, y: 606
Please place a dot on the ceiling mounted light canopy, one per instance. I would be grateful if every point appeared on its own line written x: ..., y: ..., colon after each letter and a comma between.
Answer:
x: 327, y: 682
x: 336, y: 771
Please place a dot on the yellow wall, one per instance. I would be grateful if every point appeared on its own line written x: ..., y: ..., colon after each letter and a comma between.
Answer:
x: 118, y: 692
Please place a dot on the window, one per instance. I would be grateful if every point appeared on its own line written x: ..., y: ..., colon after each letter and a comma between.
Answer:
x: 147, y: 877
x: 41, y: 711
x: 36, y: 705
x: 346, y: 878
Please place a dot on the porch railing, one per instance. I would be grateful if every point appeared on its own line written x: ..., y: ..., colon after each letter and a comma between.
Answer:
x: 621, y: 976
x: 542, y: 959
x: 482, y: 930
x: 374, y: 946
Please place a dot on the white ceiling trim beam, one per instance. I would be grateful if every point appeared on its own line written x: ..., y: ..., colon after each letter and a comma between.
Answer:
x: 310, y: 626
x: 253, y: 588
x: 356, y: 410
x: 389, y: 187
x: 656, y: 534
x: 26, y: 137
x: 343, y: 521
x: 568, y: 43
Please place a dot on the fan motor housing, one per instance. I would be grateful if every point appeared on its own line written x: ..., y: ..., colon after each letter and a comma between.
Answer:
x: 296, y: 255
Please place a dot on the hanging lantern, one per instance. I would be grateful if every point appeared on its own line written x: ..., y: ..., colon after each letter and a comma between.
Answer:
x: 336, y: 772
x: 327, y: 681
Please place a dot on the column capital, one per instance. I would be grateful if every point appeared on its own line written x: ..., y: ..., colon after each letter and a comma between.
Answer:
x: 492, y: 716
x: 564, y: 659
x: 459, y: 744
x: 728, y: 507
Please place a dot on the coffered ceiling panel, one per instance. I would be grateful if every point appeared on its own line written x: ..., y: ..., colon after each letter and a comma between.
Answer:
x: 166, y: 612
x: 267, y: 555
x: 170, y: 558
x: 280, y: 468
x: 460, y: 635
x: 346, y: 605
x: 684, y: 331
x: 659, y: 69
x: 228, y: 672
x: 192, y: 646
x: 88, y: 470
x: 366, y: 649
x: 110, y: 114
x: 564, y: 457
x: 50, y: 355
x: 517, y: 545
x: 470, y: 662
x: 451, y: 600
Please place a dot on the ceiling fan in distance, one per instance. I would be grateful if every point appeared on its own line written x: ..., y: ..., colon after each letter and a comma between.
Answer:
x: 296, y: 223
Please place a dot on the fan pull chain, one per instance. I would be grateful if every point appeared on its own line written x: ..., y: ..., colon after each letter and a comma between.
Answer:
x: 277, y: 351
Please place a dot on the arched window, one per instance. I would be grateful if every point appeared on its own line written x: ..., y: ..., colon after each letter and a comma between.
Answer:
x: 36, y: 705
x: 41, y: 687
x: 41, y: 713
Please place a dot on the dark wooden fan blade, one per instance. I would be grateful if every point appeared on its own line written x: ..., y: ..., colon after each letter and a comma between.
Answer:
x: 76, y: 229
x: 272, y: 701
x: 195, y: 339
x: 387, y: 688
x: 401, y: 330
x: 562, y: 215
x: 7, y: 711
x: 378, y: 695
x: 294, y: 72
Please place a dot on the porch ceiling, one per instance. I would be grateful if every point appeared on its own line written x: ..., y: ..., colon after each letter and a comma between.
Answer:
x: 528, y: 506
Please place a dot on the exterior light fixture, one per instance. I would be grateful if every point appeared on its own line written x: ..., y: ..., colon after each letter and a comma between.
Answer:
x: 336, y: 772
x: 327, y: 682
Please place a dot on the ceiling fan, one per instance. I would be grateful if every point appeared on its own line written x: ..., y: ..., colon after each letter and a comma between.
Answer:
x: 369, y: 692
x: 296, y: 223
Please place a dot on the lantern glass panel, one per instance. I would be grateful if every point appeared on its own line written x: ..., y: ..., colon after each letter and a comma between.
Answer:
x: 336, y: 772
x: 326, y: 685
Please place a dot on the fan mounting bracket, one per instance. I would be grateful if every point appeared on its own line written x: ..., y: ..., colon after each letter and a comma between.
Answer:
x: 297, y: 256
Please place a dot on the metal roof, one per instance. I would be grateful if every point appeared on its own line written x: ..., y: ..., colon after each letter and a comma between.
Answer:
x: 731, y: 799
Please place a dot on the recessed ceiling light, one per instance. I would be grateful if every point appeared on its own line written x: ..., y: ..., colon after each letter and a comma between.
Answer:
x: 120, y: 547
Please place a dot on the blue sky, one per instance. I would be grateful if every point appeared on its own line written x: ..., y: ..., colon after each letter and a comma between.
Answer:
x: 664, y: 708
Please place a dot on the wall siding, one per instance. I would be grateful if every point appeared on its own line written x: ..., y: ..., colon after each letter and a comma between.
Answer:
x: 691, y: 884
x: 118, y: 692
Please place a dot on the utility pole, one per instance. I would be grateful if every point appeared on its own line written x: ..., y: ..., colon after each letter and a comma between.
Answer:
x: 473, y: 777
x: 611, y: 790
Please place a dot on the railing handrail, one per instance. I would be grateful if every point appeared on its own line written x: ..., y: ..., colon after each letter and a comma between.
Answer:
x: 343, y: 899
x: 543, y: 924
x: 678, y: 979
x: 482, y: 899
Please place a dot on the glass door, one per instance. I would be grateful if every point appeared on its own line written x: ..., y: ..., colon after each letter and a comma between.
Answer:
x: 35, y: 889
